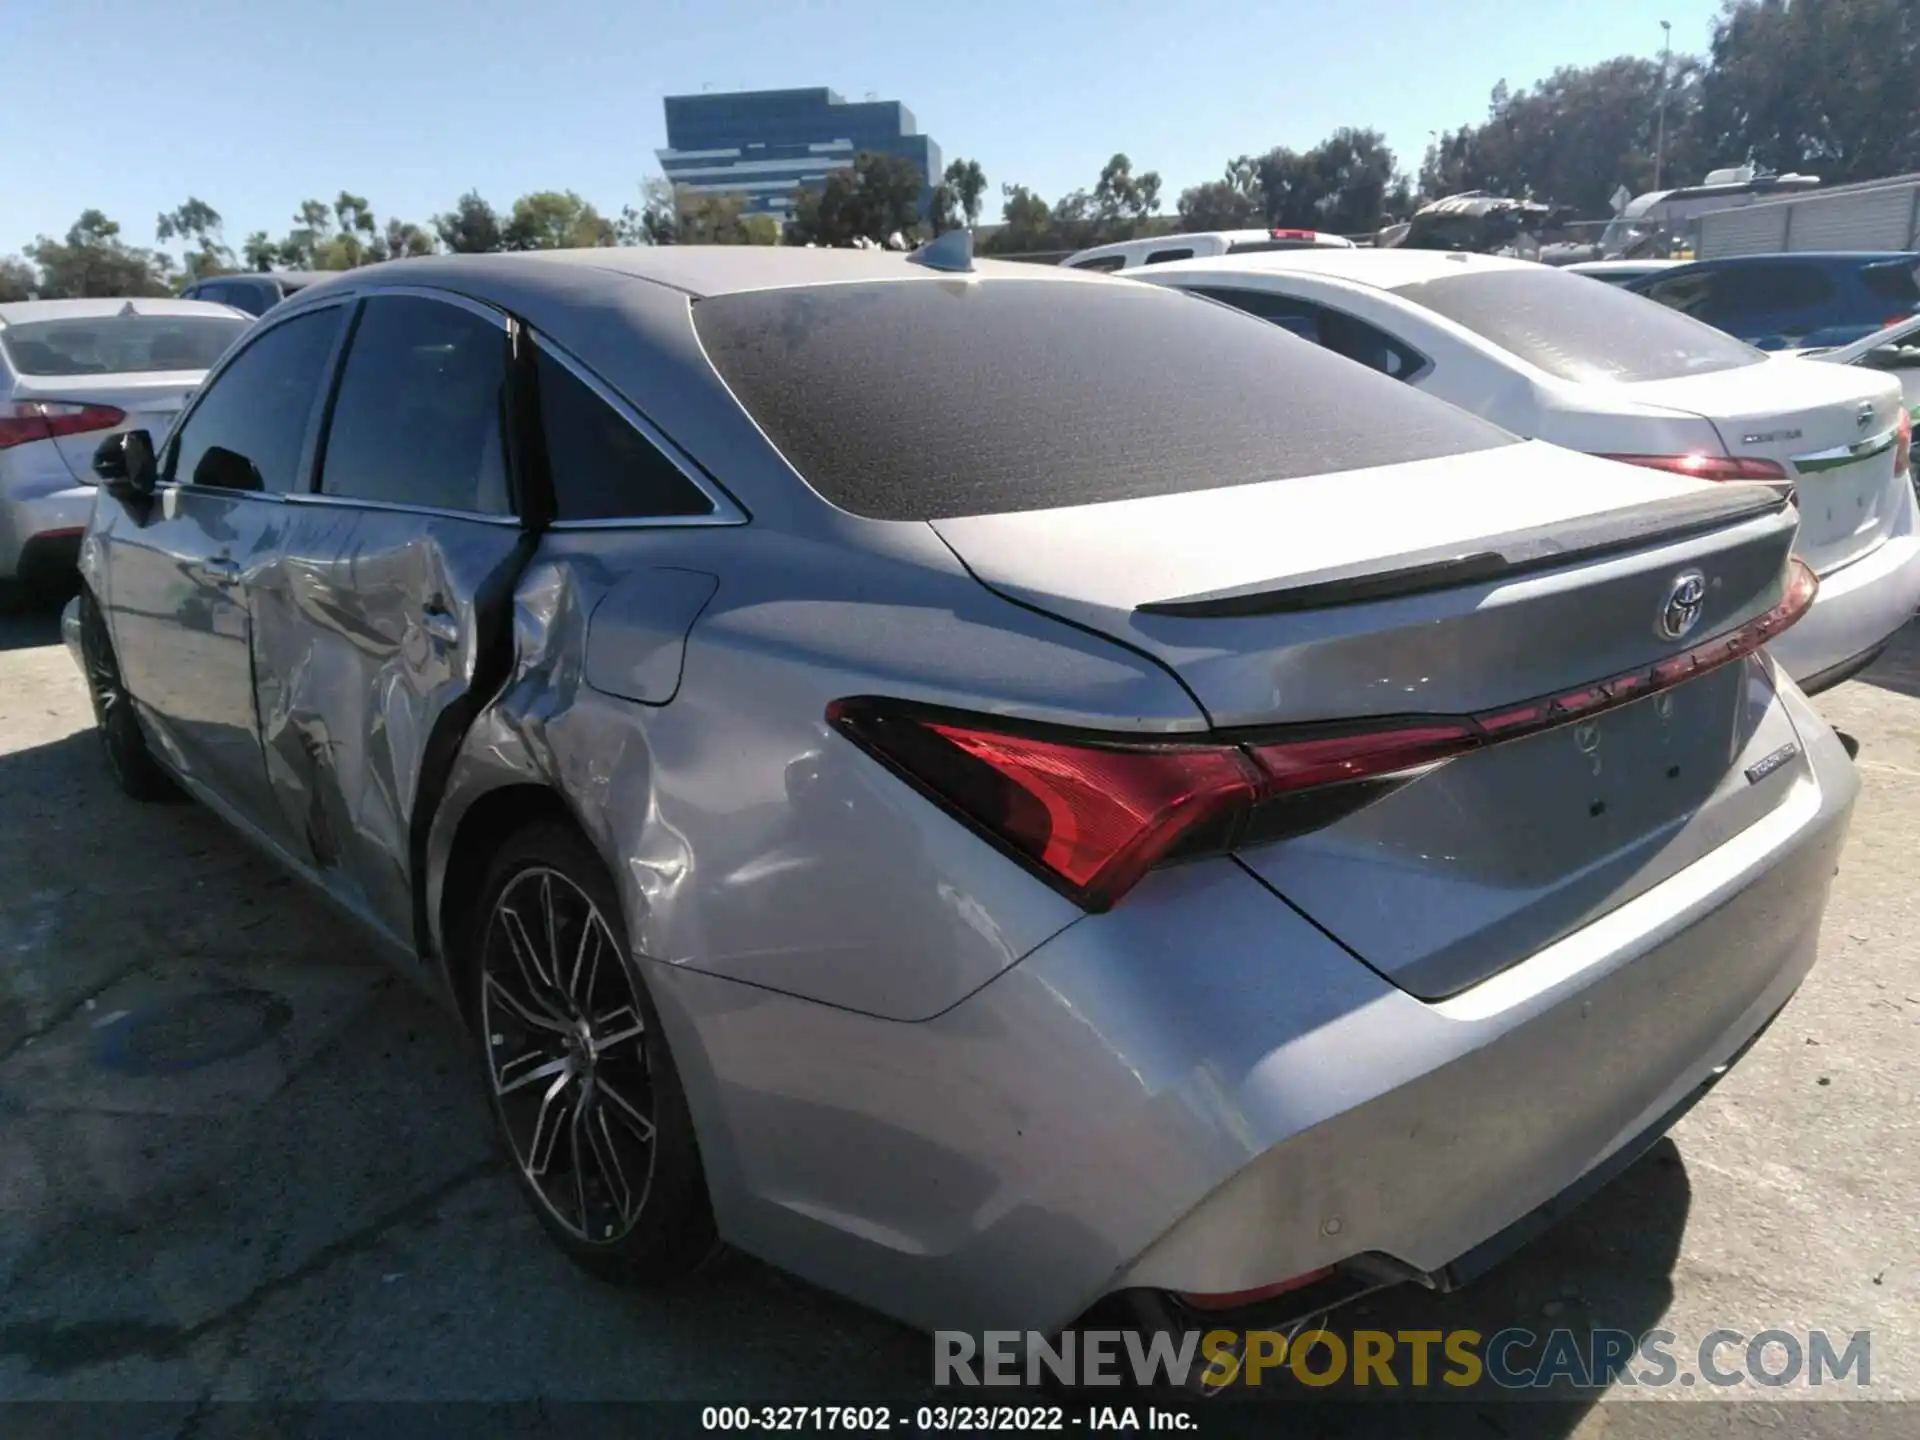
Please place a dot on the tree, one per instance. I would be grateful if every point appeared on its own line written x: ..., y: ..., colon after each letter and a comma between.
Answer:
x: 555, y: 220
x: 93, y: 261
x: 871, y: 199
x: 471, y: 227
x: 965, y: 184
x: 1575, y: 137
x: 17, y: 279
x: 1357, y: 178
x: 199, y: 222
x: 1228, y: 203
x: 1831, y: 86
x: 942, y: 208
x: 1027, y: 222
x: 656, y: 222
x: 259, y: 251
x: 401, y: 240
x: 760, y: 230
x: 1121, y: 200
x: 710, y: 217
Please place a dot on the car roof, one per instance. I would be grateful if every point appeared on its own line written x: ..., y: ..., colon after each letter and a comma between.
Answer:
x: 1826, y: 257
x: 1619, y: 267
x: 1383, y: 269
x: 20, y: 312
x: 699, y: 271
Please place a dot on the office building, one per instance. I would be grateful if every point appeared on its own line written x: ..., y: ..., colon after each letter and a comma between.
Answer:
x: 768, y: 144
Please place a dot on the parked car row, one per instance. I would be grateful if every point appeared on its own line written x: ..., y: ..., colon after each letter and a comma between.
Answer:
x: 1003, y: 789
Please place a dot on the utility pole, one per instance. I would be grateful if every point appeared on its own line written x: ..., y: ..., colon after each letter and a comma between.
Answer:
x: 1666, y: 66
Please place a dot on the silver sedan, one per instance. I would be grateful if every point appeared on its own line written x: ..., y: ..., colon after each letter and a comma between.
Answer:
x: 990, y: 787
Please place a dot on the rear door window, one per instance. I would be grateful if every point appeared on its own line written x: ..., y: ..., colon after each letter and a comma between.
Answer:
x: 1894, y: 282
x: 1746, y: 291
x: 421, y: 414
x: 249, y: 428
x: 1185, y: 253
x: 1576, y: 331
x: 119, y: 344
x: 919, y: 400
x: 603, y: 468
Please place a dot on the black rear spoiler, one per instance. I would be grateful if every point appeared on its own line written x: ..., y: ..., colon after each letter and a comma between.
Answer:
x: 1495, y: 557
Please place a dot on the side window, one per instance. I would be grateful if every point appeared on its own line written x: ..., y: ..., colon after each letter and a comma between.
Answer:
x: 603, y: 468
x: 421, y: 415
x: 1357, y: 340
x: 1158, y: 255
x: 1768, y: 289
x: 247, y: 431
x: 1102, y: 263
x: 1689, y: 294
x: 247, y: 295
x: 1289, y: 314
x: 1334, y: 330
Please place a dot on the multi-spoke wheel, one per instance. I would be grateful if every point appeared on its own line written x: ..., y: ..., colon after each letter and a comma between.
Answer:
x: 129, y: 760
x: 582, y: 1084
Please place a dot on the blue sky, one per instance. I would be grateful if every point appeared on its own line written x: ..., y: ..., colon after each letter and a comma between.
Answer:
x: 255, y: 106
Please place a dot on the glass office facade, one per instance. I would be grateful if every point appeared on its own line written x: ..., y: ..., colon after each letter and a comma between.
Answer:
x: 767, y: 144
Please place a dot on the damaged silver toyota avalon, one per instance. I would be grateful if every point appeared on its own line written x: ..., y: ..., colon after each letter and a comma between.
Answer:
x: 992, y: 788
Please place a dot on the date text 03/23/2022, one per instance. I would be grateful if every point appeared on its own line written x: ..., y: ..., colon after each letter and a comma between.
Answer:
x: 937, y: 1419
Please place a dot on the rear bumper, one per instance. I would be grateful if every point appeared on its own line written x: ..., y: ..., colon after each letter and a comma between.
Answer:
x: 1200, y: 1092
x: 1858, y: 608
x: 40, y: 532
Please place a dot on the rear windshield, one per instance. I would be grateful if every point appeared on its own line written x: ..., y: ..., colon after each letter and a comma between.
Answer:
x: 923, y: 400
x: 1579, y: 331
x: 1893, y: 280
x: 119, y: 344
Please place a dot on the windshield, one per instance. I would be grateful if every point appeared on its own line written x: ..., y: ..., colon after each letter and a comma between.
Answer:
x: 1578, y: 331
x: 1040, y: 394
x: 119, y: 344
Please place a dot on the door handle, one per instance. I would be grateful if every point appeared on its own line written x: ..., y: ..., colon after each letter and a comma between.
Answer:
x: 440, y: 625
x: 219, y: 570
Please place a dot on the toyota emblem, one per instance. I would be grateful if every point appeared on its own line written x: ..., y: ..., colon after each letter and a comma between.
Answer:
x: 1686, y: 599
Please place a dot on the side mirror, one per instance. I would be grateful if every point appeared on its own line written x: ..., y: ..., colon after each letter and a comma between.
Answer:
x: 125, y: 465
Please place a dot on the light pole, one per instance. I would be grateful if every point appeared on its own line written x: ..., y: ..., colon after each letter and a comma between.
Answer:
x: 1666, y: 63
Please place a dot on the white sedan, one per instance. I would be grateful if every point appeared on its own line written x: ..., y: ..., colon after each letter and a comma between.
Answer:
x: 1553, y: 356
x: 1894, y: 350
x: 71, y: 373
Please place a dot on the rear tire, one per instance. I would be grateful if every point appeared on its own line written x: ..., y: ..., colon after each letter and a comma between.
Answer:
x: 129, y: 761
x: 585, y: 1096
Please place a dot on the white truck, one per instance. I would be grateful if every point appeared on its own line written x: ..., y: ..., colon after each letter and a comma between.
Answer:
x: 1873, y: 215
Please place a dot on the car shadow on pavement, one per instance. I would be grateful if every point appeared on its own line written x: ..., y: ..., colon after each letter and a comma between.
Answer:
x: 28, y: 621
x: 1898, y: 668
x: 241, y: 1160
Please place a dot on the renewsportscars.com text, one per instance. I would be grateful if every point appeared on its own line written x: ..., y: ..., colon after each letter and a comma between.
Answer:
x: 1511, y: 1359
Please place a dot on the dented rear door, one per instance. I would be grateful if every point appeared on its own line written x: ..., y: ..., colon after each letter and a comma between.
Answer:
x: 394, y: 607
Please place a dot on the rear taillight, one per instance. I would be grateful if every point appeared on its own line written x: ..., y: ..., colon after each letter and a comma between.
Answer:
x: 1091, y: 814
x: 1293, y: 235
x: 1708, y: 467
x: 25, y: 420
x: 1903, y: 442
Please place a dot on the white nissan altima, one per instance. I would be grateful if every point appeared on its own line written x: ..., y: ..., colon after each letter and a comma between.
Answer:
x: 1553, y: 356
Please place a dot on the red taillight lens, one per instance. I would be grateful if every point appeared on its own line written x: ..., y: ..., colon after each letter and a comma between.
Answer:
x: 25, y: 420
x: 1903, y: 442
x: 1708, y: 467
x: 1091, y: 814
x: 1293, y: 234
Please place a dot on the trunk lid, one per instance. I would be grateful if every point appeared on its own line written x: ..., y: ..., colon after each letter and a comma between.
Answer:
x: 1449, y: 587
x: 1829, y: 426
x: 151, y: 402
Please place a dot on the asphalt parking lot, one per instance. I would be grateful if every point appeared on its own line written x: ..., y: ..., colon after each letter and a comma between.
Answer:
x: 239, y: 1162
